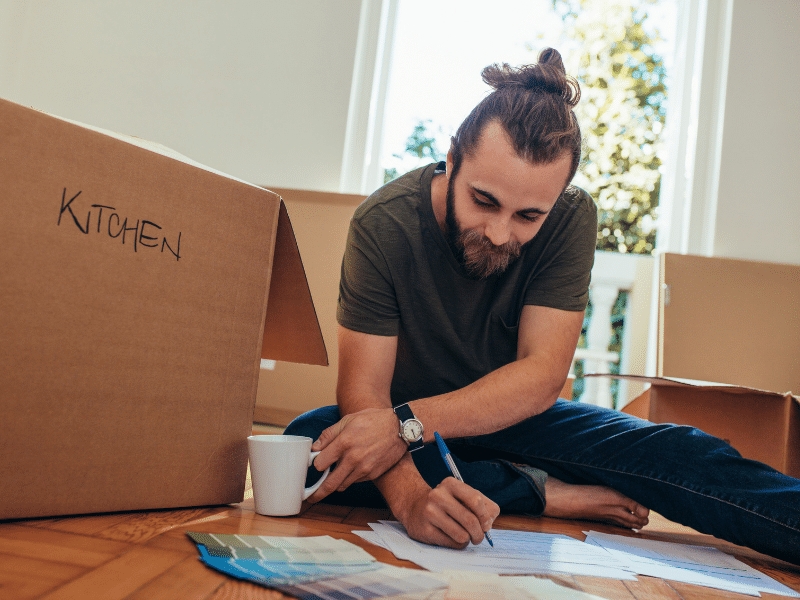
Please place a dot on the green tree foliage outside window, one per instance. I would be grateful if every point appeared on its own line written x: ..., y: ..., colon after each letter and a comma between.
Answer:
x: 622, y: 114
x: 422, y: 145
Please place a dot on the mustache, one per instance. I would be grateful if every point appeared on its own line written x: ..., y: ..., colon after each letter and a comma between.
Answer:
x: 482, y: 258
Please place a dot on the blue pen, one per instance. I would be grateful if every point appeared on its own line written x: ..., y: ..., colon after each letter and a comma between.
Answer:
x: 451, y: 465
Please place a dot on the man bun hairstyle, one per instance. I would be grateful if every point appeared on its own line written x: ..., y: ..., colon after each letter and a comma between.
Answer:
x: 534, y: 105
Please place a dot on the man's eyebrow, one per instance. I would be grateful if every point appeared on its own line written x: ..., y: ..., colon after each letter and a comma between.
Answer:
x: 534, y: 211
x: 487, y: 195
x: 490, y: 197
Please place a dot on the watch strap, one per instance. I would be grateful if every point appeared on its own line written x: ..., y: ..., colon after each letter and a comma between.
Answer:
x: 404, y: 413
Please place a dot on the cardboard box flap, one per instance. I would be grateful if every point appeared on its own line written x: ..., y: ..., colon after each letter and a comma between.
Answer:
x: 694, y: 384
x: 291, y: 329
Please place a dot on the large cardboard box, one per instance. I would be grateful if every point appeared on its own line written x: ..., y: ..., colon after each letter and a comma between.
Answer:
x: 138, y: 293
x: 734, y: 321
x: 730, y: 320
x: 761, y: 425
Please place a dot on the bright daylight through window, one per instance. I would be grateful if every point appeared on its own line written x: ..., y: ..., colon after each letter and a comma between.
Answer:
x: 620, y: 52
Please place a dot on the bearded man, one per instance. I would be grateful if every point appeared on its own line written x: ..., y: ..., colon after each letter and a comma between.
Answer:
x: 462, y: 297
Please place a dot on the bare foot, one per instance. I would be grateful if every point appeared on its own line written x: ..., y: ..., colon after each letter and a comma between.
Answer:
x: 593, y: 503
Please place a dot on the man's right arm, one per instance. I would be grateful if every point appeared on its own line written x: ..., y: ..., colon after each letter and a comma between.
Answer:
x: 366, y: 446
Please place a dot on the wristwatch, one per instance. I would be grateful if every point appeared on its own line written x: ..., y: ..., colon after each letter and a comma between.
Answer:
x: 410, y: 427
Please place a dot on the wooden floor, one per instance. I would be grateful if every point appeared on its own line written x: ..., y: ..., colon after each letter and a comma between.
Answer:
x: 147, y: 556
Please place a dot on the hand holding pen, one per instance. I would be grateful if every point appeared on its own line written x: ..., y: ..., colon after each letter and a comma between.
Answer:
x: 451, y: 465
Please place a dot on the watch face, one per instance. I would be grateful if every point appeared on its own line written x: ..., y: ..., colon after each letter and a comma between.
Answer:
x: 412, y: 430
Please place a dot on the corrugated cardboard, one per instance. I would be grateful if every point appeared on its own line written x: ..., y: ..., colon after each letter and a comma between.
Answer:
x: 133, y: 313
x: 729, y: 320
x: 761, y: 425
x: 320, y: 221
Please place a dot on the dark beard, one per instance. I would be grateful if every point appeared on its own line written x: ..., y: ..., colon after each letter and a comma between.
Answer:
x: 479, y: 257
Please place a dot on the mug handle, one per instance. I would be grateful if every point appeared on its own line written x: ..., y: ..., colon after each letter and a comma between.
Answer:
x: 310, y: 490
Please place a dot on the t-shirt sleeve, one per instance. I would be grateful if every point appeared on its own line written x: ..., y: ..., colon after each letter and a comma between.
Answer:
x: 563, y: 283
x: 367, y: 299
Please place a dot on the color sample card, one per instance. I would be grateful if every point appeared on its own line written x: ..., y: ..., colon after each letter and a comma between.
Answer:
x: 326, y: 581
x: 316, y: 549
x: 272, y: 573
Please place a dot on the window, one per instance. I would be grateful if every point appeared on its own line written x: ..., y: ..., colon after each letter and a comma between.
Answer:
x: 440, y: 49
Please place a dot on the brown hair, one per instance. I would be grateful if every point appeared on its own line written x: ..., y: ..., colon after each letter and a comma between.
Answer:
x: 534, y: 105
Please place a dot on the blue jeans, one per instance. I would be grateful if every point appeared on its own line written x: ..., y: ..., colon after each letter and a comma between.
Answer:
x: 680, y: 472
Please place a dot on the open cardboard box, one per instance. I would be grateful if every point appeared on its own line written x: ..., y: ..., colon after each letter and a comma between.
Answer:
x: 761, y: 425
x: 138, y: 293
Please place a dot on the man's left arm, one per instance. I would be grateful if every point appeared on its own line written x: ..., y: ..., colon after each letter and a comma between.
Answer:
x: 547, y: 338
x: 528, y: 386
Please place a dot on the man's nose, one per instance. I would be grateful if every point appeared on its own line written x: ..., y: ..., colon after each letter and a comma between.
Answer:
x: 498, y: 231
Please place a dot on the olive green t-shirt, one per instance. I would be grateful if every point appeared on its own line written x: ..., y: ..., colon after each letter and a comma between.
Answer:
x: 400, y: 278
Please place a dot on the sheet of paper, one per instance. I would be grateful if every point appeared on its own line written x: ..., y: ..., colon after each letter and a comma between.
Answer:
x: 373, y: 537
x: 700, y: 565
x: 544, y: 589
x: 467, y: 585
x: 316, y: 549
x: 464, y: 585
x: 380, y: 583
x: 514, y: 553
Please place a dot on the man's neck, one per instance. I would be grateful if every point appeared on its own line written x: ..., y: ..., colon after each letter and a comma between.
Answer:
x: 439, y: 198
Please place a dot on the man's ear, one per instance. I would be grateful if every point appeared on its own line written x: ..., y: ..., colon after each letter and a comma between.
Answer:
x: 449, y: 162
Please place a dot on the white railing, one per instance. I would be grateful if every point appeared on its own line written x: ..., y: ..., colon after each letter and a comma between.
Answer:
x: 612, y: 273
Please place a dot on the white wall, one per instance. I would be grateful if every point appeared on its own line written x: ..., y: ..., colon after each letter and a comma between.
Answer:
x: 758, y: 210
x: 255, y: 88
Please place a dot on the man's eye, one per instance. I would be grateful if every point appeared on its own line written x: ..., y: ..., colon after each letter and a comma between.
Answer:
x: 481, y: 203
x: 530, y: 218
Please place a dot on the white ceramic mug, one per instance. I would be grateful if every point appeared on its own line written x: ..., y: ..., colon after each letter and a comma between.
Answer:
x: 278, y: 467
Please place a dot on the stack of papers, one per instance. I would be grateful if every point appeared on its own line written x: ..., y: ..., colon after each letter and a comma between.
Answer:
x: 700, y: 565
x: 514, y: 553
x: 601, y: 555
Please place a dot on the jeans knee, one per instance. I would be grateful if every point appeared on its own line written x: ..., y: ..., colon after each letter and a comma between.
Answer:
x: 313, y: 423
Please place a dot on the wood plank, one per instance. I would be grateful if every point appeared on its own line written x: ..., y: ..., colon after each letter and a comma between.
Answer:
x: 327, y: 512
x: 610, y: 589
x: 57, y: 546
x: 84, y: 524
x: 189, y: 579
x: 120, y: 577
x: 652, y: 588
x: 364, y: 516
x: 140, y: 527
x: 688, y: 591
x: 22, y: 577
x: 244, y: 590
x: 19, y: 587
